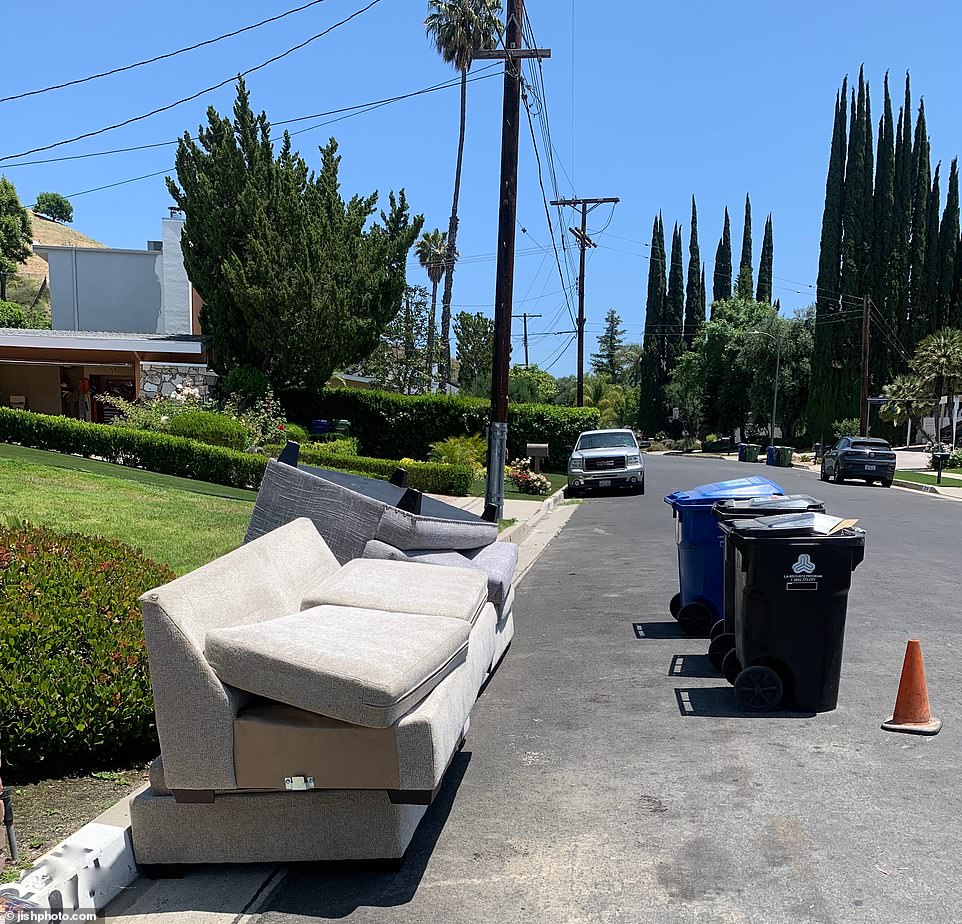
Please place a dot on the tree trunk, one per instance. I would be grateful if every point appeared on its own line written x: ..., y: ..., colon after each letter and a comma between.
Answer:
x: 432, y: 322
x: 445, y: 365
x: 3, y: 286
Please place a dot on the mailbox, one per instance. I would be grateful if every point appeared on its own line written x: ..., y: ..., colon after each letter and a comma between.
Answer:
x: 536, y: 452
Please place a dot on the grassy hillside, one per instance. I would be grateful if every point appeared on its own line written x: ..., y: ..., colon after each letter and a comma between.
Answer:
x: 53, y: 234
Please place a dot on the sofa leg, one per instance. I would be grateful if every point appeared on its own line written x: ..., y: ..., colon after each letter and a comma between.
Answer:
x: 162, y: 870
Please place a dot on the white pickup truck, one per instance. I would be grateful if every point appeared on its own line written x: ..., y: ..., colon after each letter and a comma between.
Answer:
x: 606, y: 459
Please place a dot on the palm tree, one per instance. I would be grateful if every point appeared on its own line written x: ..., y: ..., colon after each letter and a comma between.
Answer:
x: 907, y: 402
x: 432, y: 251
x: 938, y: 363
x: 459, y: 28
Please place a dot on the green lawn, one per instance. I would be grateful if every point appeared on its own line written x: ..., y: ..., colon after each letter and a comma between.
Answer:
x: 557, y: 482
x: 177, y: 521
x: 927, y: 478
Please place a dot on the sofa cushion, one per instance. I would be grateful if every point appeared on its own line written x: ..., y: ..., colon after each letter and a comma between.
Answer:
x: 357, y: 665
x: 399, y: 587
x: 346, y: 519
x: 409, y: 531
x: 497, y: 562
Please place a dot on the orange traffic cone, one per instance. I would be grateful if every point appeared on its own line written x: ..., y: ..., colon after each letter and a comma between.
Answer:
x: 912, y: 713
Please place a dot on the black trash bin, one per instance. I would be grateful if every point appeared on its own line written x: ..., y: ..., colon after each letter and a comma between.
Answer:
x: 750, y: 508
x: 791, y: 598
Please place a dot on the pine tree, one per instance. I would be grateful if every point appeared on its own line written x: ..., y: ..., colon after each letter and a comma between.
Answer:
x: 917, y: 322
x: 764, y: 293
x: 948, y: 245
x: 825, y: 382
x: 695, y: 297
x: 611, y: 347
x: 675, y: 304
x: 722, y: 285
x: 651, y: 404
x: 746, y: 258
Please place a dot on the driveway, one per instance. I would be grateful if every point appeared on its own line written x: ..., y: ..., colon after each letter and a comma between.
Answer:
x: 610, y: 777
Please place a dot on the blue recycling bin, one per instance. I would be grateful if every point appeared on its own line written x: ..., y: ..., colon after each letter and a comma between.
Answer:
x: 771, y: 455
x: 700, y: 601
x: 741, y: 452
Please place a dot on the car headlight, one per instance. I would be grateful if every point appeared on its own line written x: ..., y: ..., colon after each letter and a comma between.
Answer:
x: 634, y: 459
x: 575, y: 464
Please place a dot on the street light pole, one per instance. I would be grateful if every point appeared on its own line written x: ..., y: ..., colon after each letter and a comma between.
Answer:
x: 778, y: 364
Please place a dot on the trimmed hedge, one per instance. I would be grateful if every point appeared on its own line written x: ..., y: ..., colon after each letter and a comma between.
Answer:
x: 392, y: 425
x: 75, y: 692
x: 211, y: 428
x: 430, y: 477
x: 155, y: 452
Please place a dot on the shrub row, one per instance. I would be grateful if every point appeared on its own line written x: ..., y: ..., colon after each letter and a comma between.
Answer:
x: 430, y: 477
x: 76, y: 692
x: 390, y: 424
x: 155, y: 452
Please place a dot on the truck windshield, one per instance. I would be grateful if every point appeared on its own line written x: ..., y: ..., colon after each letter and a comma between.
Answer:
x: 606, y: 441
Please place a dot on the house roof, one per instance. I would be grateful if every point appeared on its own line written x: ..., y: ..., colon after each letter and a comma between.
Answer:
x: 186, y: 344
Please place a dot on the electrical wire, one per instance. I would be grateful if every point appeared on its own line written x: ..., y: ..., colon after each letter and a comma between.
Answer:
x: 163, y: 57
x: 193, y: 96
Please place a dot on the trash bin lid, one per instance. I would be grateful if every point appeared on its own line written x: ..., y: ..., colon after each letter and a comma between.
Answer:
x: 706, y: 494
x: 754, y: 507
x: 794, y: 525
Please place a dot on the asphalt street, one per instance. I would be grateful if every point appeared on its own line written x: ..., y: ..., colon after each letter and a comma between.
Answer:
x: 610, y: 776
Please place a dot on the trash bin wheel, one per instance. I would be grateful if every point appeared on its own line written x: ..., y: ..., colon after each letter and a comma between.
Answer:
x: 674, y: 605
x: 719, y: 648
x: 717, y: 629
x: 731, y: 666
x: 696, y: 620
x: 758, y: 688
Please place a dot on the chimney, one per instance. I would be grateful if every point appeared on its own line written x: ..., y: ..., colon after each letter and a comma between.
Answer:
x: 175, y: 211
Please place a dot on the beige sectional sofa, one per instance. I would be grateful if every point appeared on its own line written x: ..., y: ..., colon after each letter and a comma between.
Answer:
x: 307, y: 708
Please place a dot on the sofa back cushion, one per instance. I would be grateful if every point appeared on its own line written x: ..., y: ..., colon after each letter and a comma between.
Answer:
x: 346, y: 520
x: 406, y: 530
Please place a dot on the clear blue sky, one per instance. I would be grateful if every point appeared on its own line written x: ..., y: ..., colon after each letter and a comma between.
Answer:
x: 649, y: 102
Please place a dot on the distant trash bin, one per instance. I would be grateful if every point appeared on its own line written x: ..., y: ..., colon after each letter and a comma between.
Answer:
x: 751, y: 452
x: 791, y: 599
x: 785, y: 456
x: 342, y: 427
x: 771, y: 455
x: 699, y: 604
x: 723, y: 632
x: 320, y: 427
x: 741, y: 452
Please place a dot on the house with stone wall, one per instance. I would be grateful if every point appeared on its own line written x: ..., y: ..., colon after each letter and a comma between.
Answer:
x: 123, y: 322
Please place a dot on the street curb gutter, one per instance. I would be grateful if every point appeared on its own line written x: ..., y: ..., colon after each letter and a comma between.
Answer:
x: 915, y: 486
x: 93, y: 866
x: 87, y: 870
x: 520, y: 531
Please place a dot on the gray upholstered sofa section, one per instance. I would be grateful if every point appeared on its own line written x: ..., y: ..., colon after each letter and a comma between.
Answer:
x: 348, y: 520
x: 194, y: 709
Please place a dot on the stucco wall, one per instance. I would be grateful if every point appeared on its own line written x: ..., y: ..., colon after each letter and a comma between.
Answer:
x: 177, y: 308
x: 106, y: 290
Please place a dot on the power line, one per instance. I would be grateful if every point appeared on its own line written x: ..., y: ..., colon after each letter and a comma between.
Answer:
x: 163, y: 57
x: 193, y: 96
x: 357, y: 109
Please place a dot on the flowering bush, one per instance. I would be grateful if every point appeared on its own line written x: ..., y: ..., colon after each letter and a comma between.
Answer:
x: 526, y: 481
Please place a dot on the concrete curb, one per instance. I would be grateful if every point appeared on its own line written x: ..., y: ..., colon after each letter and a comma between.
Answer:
x: 87, y: 870
x: 520, y: 531
x: 93, y: 866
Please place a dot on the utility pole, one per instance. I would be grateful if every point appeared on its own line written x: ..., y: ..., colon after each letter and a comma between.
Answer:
x: 511, y: 54
x: 863, y: 398
x: 584, y: 242
x: 525, y: 316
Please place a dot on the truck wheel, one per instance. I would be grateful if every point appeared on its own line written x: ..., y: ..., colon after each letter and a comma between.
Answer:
x: 674, y: 606
x: 719, y: 648
x: 886, y: 482
x: 696, y: 620
x: 731, y: 666
x: 758, y: 688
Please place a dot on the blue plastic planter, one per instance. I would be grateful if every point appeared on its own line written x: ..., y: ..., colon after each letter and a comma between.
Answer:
x: 701, y: 548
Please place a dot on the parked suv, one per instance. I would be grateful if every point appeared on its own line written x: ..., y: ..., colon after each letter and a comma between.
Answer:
x: 859, y: 457
x: 606, y: 459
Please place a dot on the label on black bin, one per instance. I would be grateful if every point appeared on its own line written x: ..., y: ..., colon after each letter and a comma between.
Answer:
x: 804, y: 575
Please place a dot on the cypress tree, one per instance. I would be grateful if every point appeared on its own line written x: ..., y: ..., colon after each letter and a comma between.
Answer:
x: 701, y: 289
x: 948, y: 245
x: 764, y: 293
x: 695, y: 297
x: 651, y: 405
x: 866, y: 260
x: 825, y: 379
x: 746, y: 258
x: 853, y: 212
x: 722, y: 285
x: 902, y: 218
x: 675, y: 304
x: 921, y: 190
x: 955, y: 309
x: 883, y: 255
x: 928, y: 297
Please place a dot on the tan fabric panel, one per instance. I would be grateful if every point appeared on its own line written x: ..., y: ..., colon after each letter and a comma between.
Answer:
x: 272, y: 742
